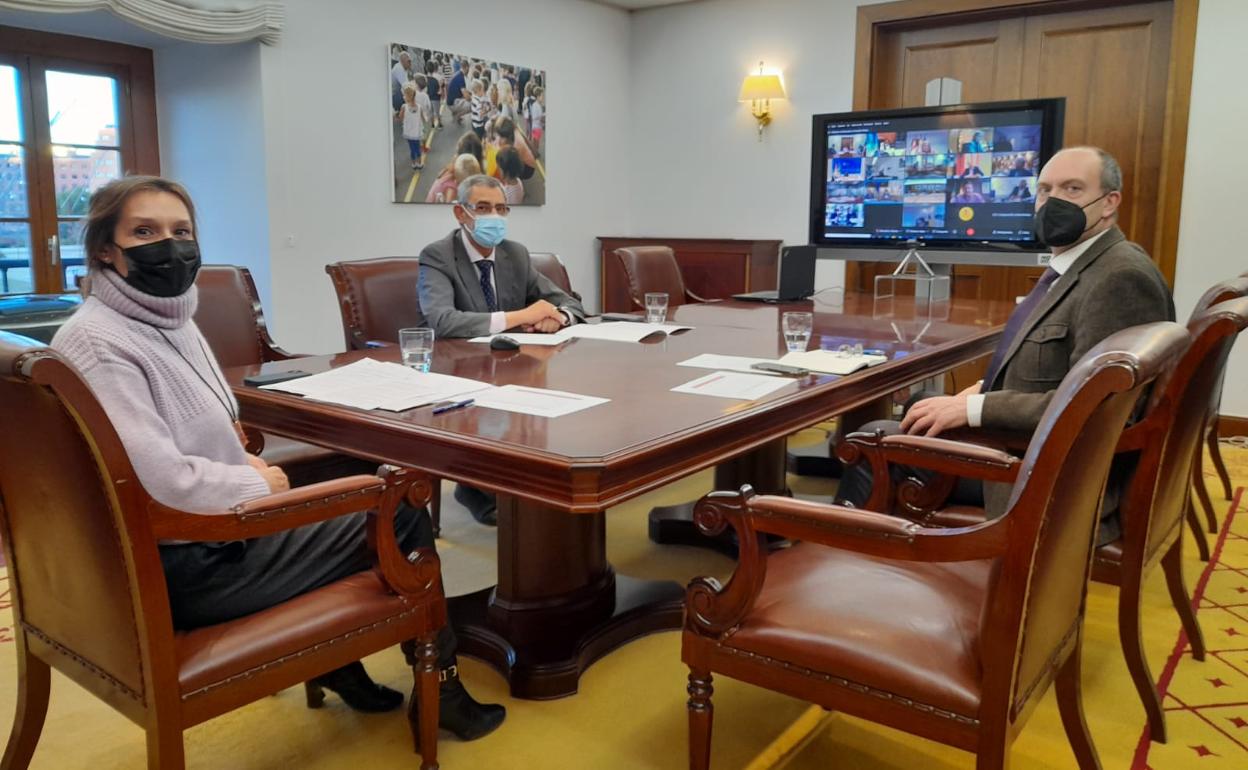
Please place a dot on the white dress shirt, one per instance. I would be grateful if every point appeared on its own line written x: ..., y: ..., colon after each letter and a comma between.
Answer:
x: 498, y: 319
x: 1060, y: 264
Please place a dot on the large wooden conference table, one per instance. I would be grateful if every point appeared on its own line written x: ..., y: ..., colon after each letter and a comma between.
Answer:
x: 558, y: 604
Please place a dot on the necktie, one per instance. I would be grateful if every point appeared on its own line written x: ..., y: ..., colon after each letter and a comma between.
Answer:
x: 1015, y: 323
x: 487, y: 287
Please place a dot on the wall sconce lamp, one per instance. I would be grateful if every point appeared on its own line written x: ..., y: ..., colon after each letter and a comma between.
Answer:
x: 759, y: 89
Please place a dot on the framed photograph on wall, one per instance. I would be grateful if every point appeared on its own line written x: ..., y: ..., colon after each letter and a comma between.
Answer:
x: 453, y: 116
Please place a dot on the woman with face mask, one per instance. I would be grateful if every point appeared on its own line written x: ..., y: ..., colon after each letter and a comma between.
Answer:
x: 136, y: 345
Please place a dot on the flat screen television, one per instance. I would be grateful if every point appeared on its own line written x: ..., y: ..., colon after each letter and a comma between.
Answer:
x: 959, y: 176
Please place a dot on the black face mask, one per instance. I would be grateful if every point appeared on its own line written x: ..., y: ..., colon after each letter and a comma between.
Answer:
x: 164, y: 268
x: 1060, y: 222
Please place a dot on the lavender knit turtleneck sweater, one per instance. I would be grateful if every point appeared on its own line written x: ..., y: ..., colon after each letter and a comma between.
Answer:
x: 179, y: 436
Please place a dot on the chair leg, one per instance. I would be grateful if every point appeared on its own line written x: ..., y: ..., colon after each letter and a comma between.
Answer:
x: 1131, y: 637
x: 435, y: 507
x: 1198, y: 481
x: 1198, y: 534
x: 1218, y: 464
x: 993, y: 754
x: 1172, y: 565
x: 164, y: 748
x: 422, y: 707
x: 701, y: 714
x: 1070, y: 704
x: 33, y: 685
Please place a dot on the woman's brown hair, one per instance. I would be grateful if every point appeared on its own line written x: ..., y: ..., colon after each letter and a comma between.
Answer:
x: 105, y: 211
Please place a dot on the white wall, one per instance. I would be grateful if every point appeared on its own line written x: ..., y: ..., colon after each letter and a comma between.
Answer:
x: 328, y: 141
x: 698, y: 170
x: 211, y: 117
x: 698, y: 167
x: 1211, y: 246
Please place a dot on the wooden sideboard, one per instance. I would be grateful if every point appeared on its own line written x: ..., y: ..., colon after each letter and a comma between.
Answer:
x: 713, y: 268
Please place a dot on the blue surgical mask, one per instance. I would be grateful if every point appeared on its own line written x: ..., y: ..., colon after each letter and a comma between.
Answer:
x: 489, y: 230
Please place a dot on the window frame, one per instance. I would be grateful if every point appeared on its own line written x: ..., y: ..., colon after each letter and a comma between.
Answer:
x: 33, y: 53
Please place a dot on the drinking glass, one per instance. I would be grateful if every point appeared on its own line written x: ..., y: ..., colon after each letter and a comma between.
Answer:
x: 796, y: 327
x: 656, y: 307
x: 417, y: 347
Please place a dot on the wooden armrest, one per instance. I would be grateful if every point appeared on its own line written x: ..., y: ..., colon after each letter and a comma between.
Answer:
x: 869, y: 532
x: 271, y: 513
x: 1135, y: 437
x: 712, y: 608
x: 274, y: 353
x: 410, y: 574
x: 1015, y: 442
x: 953, y: 459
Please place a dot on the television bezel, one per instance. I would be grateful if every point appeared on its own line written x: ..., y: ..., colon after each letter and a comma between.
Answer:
x: 1051, y: 129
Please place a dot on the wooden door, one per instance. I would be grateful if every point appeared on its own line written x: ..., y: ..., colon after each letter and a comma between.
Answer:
x: 1110, y: 63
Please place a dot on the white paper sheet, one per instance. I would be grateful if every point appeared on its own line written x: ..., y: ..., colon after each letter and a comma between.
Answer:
x: 370, y: 384
x: 728, y: 363
x: 737, y: 385
x: 620, y: 332
x: 831, y: 362
x: 535, y: 401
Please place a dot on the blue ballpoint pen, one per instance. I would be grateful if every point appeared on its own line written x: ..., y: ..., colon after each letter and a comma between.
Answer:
x: 455, y: 405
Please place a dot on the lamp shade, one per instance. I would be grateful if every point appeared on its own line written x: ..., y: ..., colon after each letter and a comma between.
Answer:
x: 761, y: 87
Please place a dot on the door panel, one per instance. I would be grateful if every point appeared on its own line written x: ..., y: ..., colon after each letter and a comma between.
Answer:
x: 1111, y: 65
x: 1119, y: 59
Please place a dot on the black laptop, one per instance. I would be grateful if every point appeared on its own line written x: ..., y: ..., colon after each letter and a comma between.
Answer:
x: 797, y: 277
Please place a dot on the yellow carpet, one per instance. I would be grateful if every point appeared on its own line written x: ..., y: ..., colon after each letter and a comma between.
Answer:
x: 630, y: 712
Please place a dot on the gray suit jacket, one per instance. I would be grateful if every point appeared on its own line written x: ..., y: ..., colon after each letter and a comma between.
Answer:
x: 450, y: 287
x: 1112, y: 286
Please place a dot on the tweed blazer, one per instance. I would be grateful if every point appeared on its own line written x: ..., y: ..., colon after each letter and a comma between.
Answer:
x: 450, y: 293
x: 1114, y: 285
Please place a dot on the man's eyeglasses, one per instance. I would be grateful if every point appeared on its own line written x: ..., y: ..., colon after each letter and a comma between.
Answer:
x: 484, y: 208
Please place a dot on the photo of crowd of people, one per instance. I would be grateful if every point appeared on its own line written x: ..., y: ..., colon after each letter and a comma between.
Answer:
x: 931, y: 179
x: 453, y: 116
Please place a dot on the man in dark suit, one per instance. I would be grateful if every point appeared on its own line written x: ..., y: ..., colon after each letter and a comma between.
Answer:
x: 475, y: 282
x: 1097, y: 283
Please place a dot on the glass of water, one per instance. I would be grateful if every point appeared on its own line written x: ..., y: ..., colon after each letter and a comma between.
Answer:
x: 417, y: 347
x: 796, y: 327
x: 656, y: 307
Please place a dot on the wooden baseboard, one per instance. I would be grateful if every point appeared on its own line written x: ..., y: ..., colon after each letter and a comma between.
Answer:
x: 1232, y: 426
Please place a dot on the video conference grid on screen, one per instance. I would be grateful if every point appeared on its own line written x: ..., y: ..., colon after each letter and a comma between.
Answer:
x: 970, y: 176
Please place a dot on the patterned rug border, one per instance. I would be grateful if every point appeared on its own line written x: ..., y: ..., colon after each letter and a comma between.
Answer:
x: 1140, y: 761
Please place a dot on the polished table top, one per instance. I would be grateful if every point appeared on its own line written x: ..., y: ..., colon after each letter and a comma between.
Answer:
x: 646, y: 435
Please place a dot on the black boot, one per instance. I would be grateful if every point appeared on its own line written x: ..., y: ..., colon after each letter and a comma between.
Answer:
x: 356, y: 689
x: 480, y: 504
x: 460, y: 714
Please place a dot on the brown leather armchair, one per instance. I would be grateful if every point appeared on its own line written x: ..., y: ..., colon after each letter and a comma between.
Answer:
x: 654, y: 269
x: 89, y: 598
x: 1166, y: 441
x: 376, y: 297
x: 1218, y: 293
x: 552, y: 267
x: 950, y: 634
x: 232, y: 321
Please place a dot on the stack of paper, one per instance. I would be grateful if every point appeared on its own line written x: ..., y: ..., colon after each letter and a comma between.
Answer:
x: 728, y: 363
x: 536, y: 401
x: 831, y: 362
x: 369, y: 384
x: 733, y: 385
x: 613, y: 332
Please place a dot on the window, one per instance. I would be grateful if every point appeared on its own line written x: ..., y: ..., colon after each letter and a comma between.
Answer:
x: 74, y: 114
